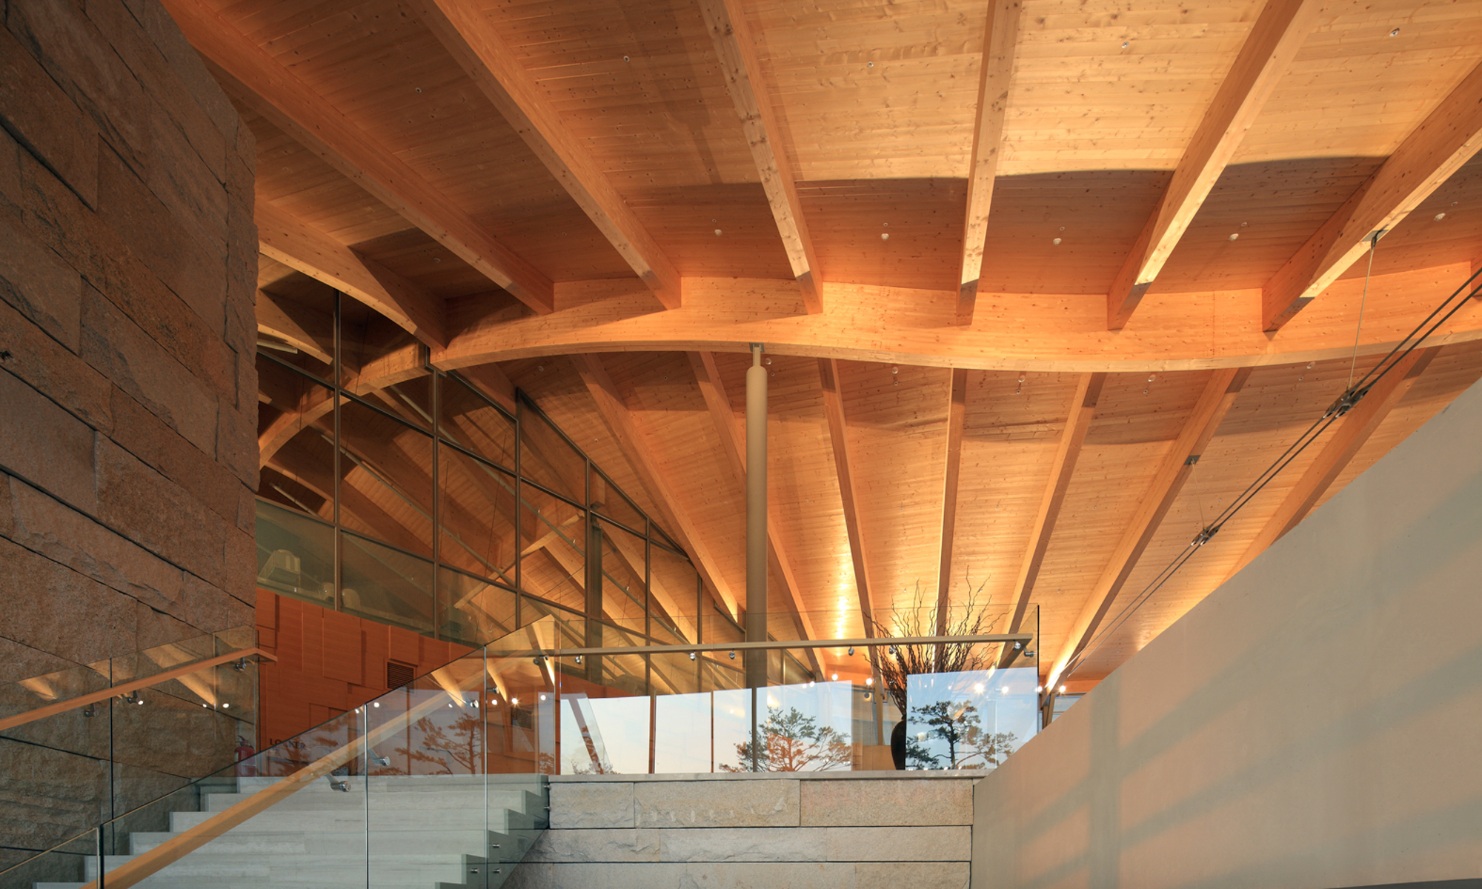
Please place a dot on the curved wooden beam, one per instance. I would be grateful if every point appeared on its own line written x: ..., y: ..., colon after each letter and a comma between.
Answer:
x: 308, y: 330
x: 1011, y: 332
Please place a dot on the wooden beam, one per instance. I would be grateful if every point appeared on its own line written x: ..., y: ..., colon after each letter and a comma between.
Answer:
x: 1000, y: 36
x: 1020, y: 332
x: 1449, y: 136
x: 1174, y: 469
x: 838, y: 429
x: 1353, y: 430
x: 956, y: 423
x: 736, y: 49
x: 1082, y: 410
x: 292, y: 105
x: 733, y: 443
x: 313, y: 252
x: 638, y: 450
x: 1268, y: 52
x: 493, y: 384
x: 494, y: 68
x: 308, y: 330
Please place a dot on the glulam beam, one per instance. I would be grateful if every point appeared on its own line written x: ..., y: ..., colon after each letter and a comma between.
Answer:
x: 956, y: 426
x: 1448, y: 137
x: 1214, y: 403
x: 1000, y: 36
x: 1067, y: 452
x: 1268, y: 52
x: 311, y: 331
x: 838, y: 431
x: 292, y: 105
x: 312, y: 251
x: 736, y: 48
x: 467, y: 34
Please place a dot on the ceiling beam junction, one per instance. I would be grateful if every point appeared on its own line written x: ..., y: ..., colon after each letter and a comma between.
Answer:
x: 1449, y: 136
x: 468, y: 35
x: 1268, y: 52
x: 736, y: 48
x: 1000, y: 36
x: 315, y: 253
x: 293, y: 106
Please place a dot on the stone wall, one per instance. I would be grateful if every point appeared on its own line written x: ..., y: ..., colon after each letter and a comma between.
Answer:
x: 815, y: 830
x: 1315, y: 722
x: 127, y: 386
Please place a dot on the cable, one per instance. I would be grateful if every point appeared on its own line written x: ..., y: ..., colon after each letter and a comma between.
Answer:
x: 1341, y: 406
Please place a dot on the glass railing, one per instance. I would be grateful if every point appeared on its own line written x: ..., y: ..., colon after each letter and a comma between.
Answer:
x: 868, y: 705
x: 85, y: 744
x: 440, y: 782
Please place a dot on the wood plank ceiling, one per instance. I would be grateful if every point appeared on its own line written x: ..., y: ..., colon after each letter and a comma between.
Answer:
x: 1043, y: 284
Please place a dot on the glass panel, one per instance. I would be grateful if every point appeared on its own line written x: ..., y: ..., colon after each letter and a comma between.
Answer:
x: 477, y: 512
x: 553, y: 547
x: 385, y: 479
x: 426, y: 755
x: 673, y: 589
x: 410, y: 400
x: 547, y: 458
x: 604, y: 735
x: 385, y: 584
x: 611, y: 503
x: 472, y: 423
x: 295, y: 441
x: 623, y: 595
x: 969, y: 720
x: 682, y: 735
x: 295, y: 554
x: 474, y: 610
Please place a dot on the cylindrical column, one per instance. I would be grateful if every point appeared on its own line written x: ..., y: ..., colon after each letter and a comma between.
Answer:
x: 756, y: 517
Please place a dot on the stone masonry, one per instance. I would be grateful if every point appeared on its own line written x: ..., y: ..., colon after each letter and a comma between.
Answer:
x: 812, y: 830
x: 128, y: 392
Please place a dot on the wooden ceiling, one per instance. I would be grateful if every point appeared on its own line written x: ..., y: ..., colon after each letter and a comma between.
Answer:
x: 1043, y: 284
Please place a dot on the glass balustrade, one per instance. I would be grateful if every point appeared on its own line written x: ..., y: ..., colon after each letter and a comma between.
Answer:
x: 439, y: 782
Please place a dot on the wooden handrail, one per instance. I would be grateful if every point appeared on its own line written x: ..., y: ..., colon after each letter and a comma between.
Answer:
x: 129, y: 687
x: 142, y: 866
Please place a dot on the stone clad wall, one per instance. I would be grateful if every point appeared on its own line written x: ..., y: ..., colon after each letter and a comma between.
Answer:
x: 806, y: 830
x: 128, y: 391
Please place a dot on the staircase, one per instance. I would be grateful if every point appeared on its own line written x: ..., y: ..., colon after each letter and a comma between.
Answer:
x: 408, y: 831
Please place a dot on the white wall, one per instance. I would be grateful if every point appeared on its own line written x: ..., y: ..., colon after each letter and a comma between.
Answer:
x: 1316, y: 722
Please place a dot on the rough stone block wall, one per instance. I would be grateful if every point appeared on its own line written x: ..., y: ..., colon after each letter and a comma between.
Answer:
x: 807, y: 830
x: 128, y: 393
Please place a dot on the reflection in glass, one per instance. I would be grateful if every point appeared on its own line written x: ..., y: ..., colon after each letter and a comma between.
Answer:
x: 801, y: 728
x: 673, y: 596
x: 385, y: 584
x: 553, y: 547
x: 477, y: 516
x: 623, y: 595
x: 548, y: 459
x: 473, y: 424
x: 295, y: 554
x: 473, y: 610
x: 385, y: 478
x: 969, y: 720
x: 295, y: 441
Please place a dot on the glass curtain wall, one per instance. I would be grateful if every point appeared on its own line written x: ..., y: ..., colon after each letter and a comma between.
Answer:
x: 406, y: 495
